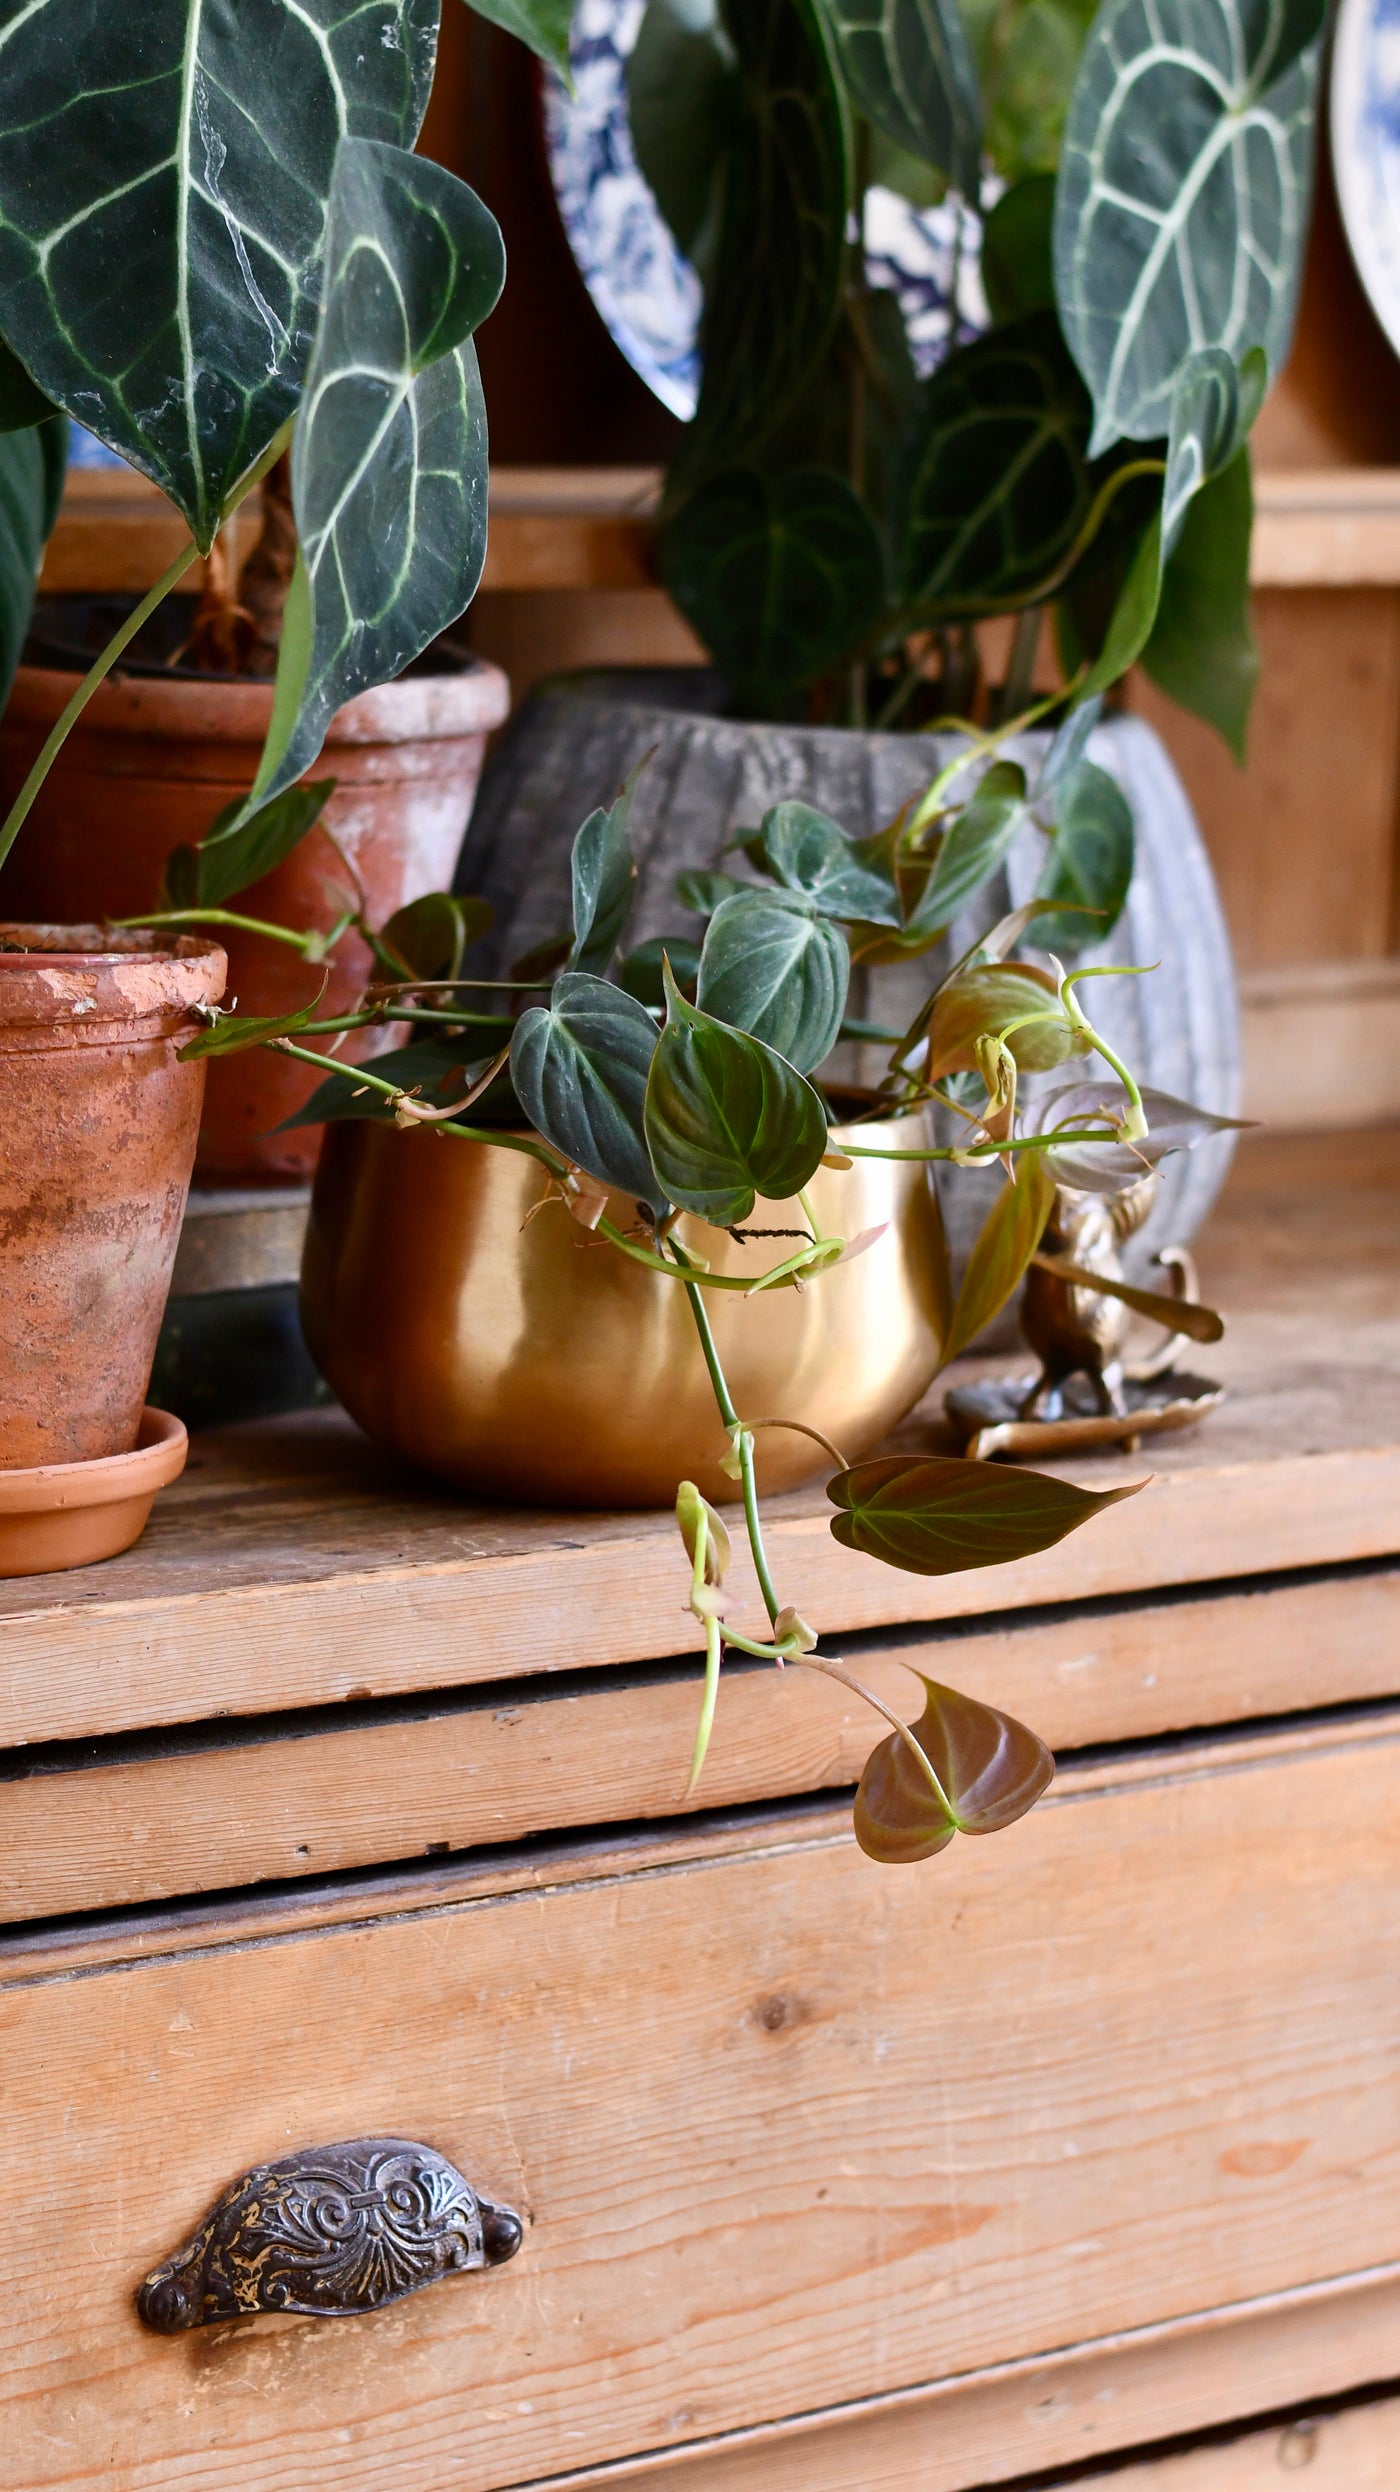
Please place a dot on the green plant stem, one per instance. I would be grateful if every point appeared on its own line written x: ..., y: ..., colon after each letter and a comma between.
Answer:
x: 844, y: 1678
x: 743, y: 1438
x: 121, y: 640
x: 963, y: 1154
x: 222, y: 917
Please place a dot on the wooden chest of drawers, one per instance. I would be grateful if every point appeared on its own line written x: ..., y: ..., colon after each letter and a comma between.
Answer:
x: 337, y: 1810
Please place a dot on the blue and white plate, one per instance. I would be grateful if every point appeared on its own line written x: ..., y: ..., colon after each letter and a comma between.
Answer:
x: 1366, y: 148
x: 647, y: 292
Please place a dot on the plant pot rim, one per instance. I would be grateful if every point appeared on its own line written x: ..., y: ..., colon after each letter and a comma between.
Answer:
x: 222, y: 709
x: 157, y: 1458
x: 83, y: 978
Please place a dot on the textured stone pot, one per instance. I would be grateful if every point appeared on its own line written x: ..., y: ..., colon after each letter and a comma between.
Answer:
x: 99, y: 1119
x: 154, y: 760
x: 576, y: 738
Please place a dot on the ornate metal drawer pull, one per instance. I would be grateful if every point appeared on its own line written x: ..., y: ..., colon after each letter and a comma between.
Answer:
x: 330, y: 2232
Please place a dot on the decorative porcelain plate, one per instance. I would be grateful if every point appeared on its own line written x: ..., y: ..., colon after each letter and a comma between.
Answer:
x: 647, y: 293
x: 1366, y: 148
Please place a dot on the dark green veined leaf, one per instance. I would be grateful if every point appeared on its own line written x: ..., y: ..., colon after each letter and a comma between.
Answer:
x: 1183, y: 195
x: 641, y: 974
x: 435, y: 1070
x: 1201, y: 648
x: 1212, y: 410
x: 782, y: 576
x: 604, y: 874
x: 389, y: 457
x: 235, y: 853
x: 1017, y: 267
x: 987, y: 998
x: 704, y: 890
x: 810, y: 853
x: 990, y: 1770
x: 164, y: 177
x: 26, y: 496
x: 938, y: 1514
x: 233, y: 1032
x: 908, y: 66
x: 1090, y: 864
x: 726, y: 1118
x: 1004, y: 1246
x: 995, y: 489
x: 1105, y: 1167
x: 682, y: 106
x: 973, y: 846
x: 428, y: 937
x: 580, y: 1068
x: 1027, y: 54
x: 22, y: 402
x: 771, y: 965
x: 769, y: 313
x: 543, y: 25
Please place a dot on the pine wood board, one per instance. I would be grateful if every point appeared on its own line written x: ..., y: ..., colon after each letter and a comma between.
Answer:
x: 307, y: 1795
x: 1027, y: 2098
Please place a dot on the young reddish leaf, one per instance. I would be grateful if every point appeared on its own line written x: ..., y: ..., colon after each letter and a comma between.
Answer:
x: 990, y: 1768
x: 1008, y: 1238
x: 936, y: 1514
x: 987, y: 999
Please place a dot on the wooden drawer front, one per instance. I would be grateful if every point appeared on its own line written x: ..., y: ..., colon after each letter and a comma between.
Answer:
x: 788, y: 2129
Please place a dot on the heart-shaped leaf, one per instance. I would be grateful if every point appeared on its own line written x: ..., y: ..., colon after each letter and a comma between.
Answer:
x: 543, y: 25
x: 989, y: 1768
x: 909, y: 68
x: 1183, y: 195
x: 604, y: 873
x: 995, y: 489
x: 1202, y: 649
x: 782, y: 576
x: 772, y: 966
x: 580, y: 1066
x: 681, y: 107
x: 1105, y: 1167
x: 236, y: 852
x: 973, y: 846
x: 30, y: 461
x: 938, y: 1514
x: 428, y: 937
x: 988, y: 998
x: 844, y: 878
x: 770, y: 313
x: 1003, y: 1248
x: 1090, y: 865
x: 165, y: 171
x: 726, y: 1118
x: 1211, y: 414
x: 389, y: 458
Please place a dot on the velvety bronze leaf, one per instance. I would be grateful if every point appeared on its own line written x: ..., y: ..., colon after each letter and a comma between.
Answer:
x: 938, y: 1514
x: 990, y: 1768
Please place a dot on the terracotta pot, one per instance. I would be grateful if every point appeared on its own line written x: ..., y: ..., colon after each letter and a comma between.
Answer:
x: 532, y: 1361
x: 99, y: 1121
x: 77, y: 1513
x: 154, y: 760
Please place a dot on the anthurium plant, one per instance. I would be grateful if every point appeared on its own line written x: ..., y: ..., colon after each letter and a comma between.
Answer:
x: 699, y: 1081
x: 1137, y: 177
x: 217, y: 247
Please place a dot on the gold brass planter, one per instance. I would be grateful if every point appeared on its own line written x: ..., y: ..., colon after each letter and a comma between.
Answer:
x: 526, y: 1359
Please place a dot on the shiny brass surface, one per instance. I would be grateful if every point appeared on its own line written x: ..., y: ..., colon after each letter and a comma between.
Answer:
x: 521, y: 1357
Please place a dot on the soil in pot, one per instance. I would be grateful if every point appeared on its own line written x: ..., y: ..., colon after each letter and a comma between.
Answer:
x: 712, y: 776
x: 161, y: 749
x: 521, y: 1357
x: 100, y: 1120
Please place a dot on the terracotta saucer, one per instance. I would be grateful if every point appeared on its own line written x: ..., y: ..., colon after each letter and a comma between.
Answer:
x: 64, y: 1514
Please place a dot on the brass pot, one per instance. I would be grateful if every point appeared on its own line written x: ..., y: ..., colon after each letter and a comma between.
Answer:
x: 526, y: 1359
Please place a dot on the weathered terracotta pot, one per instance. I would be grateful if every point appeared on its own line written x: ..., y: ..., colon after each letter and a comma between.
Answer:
x: 152, y: 762
x: 520, y: 1357
x: 99, y: 1120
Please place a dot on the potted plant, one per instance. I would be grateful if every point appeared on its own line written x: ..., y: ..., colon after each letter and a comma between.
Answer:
x: 207, y: 288
x: 539, y: 1229
x: 172, y: 740
x: 840, y: 529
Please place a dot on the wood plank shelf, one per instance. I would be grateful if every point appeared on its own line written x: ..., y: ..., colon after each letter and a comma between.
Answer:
x: 560, y: 528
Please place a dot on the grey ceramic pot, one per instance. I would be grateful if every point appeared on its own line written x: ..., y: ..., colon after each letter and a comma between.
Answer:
x: 577, y: 737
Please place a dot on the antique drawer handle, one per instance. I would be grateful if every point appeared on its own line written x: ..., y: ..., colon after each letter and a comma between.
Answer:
x: 332, y: 2231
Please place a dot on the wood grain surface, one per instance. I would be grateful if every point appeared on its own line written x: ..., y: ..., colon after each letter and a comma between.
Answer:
x: 294, y: 1565
x: 290, y: 1796
x: 788, y: 2130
